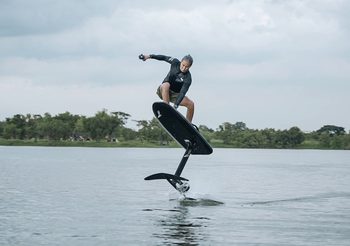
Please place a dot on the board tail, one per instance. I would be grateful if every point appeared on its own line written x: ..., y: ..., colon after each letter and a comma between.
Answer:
x: 165, y: 176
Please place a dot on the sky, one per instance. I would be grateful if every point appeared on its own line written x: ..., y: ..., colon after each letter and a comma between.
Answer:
x: 267, y: 63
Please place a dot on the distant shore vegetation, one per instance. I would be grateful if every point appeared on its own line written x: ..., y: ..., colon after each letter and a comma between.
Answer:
x: 108, y: 129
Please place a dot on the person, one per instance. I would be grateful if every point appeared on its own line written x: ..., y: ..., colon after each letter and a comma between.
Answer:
x: 177, y: 82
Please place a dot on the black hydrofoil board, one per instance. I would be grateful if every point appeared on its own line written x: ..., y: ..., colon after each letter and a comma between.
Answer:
x: 186, y: 135
x: 181, y: 129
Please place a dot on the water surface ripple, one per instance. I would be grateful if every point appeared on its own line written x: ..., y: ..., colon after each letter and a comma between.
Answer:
x: 97, y: 196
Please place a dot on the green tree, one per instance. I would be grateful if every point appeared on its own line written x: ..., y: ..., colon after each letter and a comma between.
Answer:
x: 104, y: 125
x: 281, y: 139
x: 208, y: 133
x: 120, y: 119
x: 15, y: 127
x: 9, y: 131
x: 79, y: 128
x: 30, y: 128
x: 346, y: 141
x: 151, y: 131
x: 98, y: 125
x: 62, y: 126
x: 332, y: 130
x: 325, y: 140
x: 269, y: 136
x: 226, y: 132
x: 128, y: 134
x: 255, y: 139
x: 43, y: 126
x: 58, y: 129
x: 296, y: 136
x: 2, y: 125
x: 232, y: 134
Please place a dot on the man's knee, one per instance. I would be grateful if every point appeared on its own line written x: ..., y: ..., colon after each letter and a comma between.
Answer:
x: 189, y: 104
x: 165, y: 86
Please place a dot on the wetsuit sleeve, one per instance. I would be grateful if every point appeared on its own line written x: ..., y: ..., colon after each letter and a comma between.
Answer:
x: 183, y: 91
x: 168, y: 59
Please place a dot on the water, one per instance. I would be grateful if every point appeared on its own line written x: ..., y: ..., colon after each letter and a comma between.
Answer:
x: 97, y: 196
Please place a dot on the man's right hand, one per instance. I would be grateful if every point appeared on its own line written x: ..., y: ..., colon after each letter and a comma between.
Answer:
x: 144, y: 57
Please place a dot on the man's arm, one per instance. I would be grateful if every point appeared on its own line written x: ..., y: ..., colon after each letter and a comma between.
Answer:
x: 182, y: 93
x: 168, y: 59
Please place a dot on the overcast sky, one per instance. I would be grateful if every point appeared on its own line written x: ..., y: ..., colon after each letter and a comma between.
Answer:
x: 271, y: 64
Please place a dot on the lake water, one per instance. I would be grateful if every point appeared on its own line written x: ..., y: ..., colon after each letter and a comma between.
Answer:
x: 97, y: 196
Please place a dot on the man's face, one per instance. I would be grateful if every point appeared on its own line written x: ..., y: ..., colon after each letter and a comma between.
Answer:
x: 185, y: 66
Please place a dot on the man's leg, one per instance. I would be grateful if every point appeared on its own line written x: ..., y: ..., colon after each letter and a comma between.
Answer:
x: 165, y: 91
x: 189, y: 104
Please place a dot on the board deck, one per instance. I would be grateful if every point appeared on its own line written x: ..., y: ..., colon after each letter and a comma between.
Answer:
x: 181, y: 129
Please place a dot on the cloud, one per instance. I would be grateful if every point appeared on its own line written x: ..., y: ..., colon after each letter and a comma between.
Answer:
x: 261, y: 45
x: 21, y: 17
x: 239, y: 32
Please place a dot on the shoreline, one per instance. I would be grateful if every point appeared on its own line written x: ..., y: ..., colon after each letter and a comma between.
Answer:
x: 135, y: 144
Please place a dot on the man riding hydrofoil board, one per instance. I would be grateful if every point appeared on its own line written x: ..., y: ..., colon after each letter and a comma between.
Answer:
x: 177, y: 82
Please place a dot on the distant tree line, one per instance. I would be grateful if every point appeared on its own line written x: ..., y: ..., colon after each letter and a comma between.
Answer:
x: 105, y: 126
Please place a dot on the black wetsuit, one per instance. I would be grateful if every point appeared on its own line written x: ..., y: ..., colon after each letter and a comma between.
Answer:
x: 179, y: 82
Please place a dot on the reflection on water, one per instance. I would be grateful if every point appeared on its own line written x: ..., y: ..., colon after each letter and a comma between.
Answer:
x: 178, y: 226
